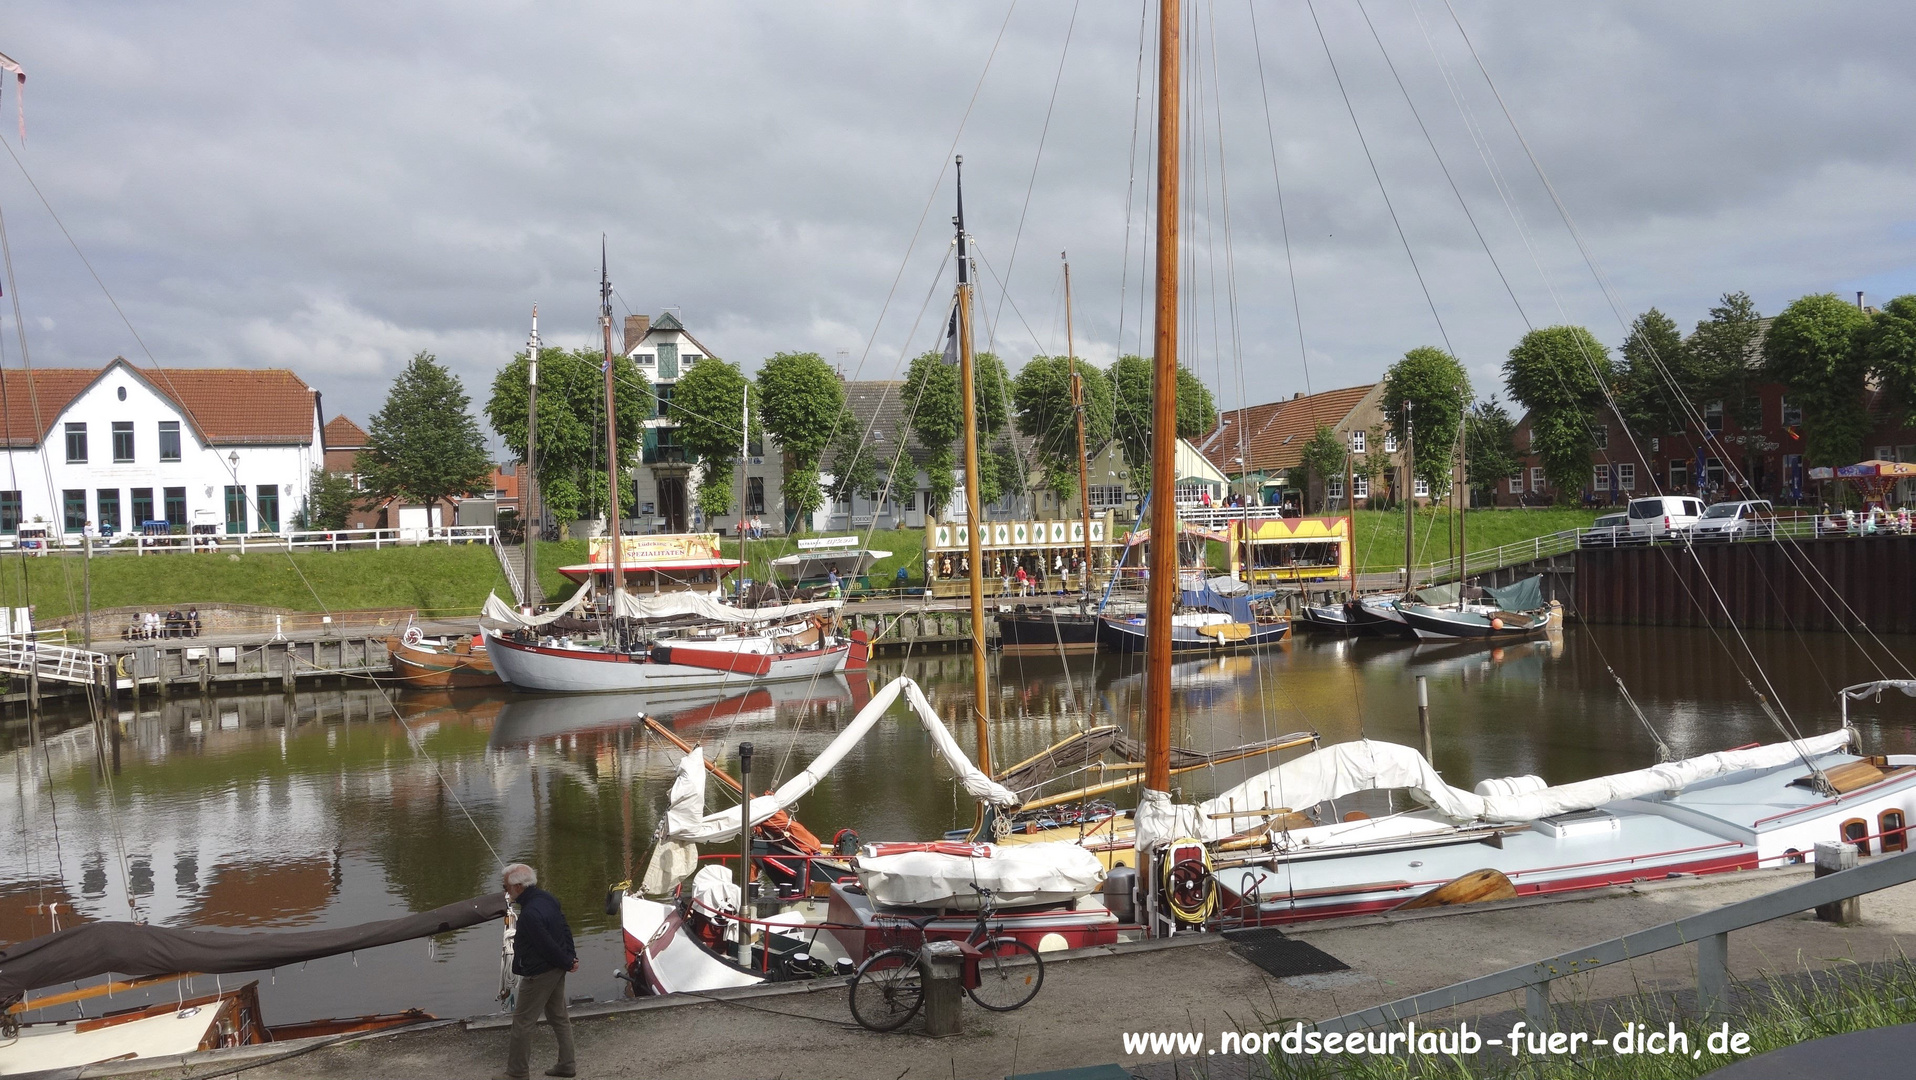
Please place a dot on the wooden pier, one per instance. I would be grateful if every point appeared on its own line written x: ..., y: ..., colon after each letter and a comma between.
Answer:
x: 172, y: 665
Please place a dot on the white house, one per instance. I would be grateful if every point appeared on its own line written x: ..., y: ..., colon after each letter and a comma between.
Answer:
x: 120, y: 447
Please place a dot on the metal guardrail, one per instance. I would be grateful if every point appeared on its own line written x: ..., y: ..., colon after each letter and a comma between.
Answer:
x: 297, y: 540
x: 506, y: 560
x: 1709, y: 931
x: 23, y: 655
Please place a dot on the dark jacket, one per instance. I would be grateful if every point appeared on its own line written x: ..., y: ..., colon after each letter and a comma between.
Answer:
x: 541, y: 940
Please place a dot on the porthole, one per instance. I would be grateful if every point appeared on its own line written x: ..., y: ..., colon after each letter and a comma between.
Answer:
x: 122, y: 393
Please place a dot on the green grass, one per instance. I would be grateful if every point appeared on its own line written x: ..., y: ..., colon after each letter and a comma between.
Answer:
x: 436, y: 579
x: 1380, y: 533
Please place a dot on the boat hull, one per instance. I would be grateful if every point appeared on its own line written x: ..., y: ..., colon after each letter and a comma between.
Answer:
x: 440, y: 668
x: 1122, y: 635
x: 584, y: 670
x: 1047, y: 632
x: 1446, y: 624
x: 1329, y: 618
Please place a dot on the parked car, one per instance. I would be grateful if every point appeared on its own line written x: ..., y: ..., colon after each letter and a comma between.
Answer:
x: 1659, y: 516
x: 1607, y: 531
x: 1748, y: 519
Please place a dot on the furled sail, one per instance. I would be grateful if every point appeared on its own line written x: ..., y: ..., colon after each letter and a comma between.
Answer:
x: 698, y: 607
x: 135, y: 950
x: 497, y: 610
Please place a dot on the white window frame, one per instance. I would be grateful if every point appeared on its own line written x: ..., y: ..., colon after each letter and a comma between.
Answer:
x: 1786, y: 410
x: 1420, y: 488
x: 1516, y: 482
x: 1390, y: 442
x: 1358, y: 439
x: 1600, y: 437
x: 1334, y: 488
x: 1536, y: 478
x: 1600, y: 478
x: 1627, y: 476
x: 1360, y: 487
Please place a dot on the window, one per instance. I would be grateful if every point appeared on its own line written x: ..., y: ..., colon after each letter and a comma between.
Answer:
x: 1890, y: 824
x: 686, y: 361
x: 73, y: 502
x: 1856, y: 831
x: 9, y: 511
x: 1679, y: 475
x: 1105, y: 496
x: 122, y: 440
x: 1713, y: 416
x: 142, y: 506
x: 266, y: 498
x: 668, y: 361
x: 1390, y: 442
x: 1530, y: 440
x: 1334, y: 489
x: 1536, y: 478
x: 169, y: 440
x: 1360, y: 487
x: 1600, y: 478
x: 1793, y: 473
x: 1885, y: 453
x: 1516, y: 482
x: 108, y: 500
x: 1627, y: 477
x: 911, y: 501
x: 755, y: 494
x: 1715, y: 472
x: 175, y: 505
x: 235, y: 509
x: 76, y: 444
x: 1358, y: 439
x: 1792, y: 414
x: 1420, y: 488
x: 664, y: 393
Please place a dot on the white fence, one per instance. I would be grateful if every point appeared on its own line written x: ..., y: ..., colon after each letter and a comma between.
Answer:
x: 303, y: 540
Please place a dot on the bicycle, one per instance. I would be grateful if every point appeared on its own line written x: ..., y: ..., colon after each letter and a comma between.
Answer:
x: 1000, y: 973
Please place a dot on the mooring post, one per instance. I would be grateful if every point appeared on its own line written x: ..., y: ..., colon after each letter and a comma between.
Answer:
x: 941, y: 966
x: 744, y: 853
x: 1832, y: 857
x: 1423, y: 714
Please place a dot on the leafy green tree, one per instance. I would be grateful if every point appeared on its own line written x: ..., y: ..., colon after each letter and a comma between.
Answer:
x: 1132, y: 380
x: 859, y: 465
x: 1888, y: 346
x: 1371, y: 465
x: 706, y: 405
x: 1813, y: 349
x: 1559, y: 374
x: 572, y: 476
x: 1724, y: 358
x: 1322, y: 457
x: 804, y: 404
x: 1660, y: 372
x: 934, y: 410
x: 1490, y: 445
x: 1438, y: 390
x: 1047, y: 416
x: 329, y: 498
x: 423, y: 445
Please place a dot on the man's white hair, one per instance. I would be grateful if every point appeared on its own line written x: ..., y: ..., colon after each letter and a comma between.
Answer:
x: 521, y: 874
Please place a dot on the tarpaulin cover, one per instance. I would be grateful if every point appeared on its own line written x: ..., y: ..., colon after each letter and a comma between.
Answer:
x: 136, y: 951
x: 660, y: 607
x: 1525, y: 595
x: 497, y: 610
x: 1016, y: 874
x: 1237, y: 607
x: 1370, y: 765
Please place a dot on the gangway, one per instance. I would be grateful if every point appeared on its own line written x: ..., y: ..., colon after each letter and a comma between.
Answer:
x: 29, y: 657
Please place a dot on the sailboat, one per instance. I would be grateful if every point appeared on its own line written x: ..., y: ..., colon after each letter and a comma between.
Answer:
x: 667, y: 641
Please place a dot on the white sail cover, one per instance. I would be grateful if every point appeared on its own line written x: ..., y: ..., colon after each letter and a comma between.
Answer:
x: 1016, y: 874
x: 1370, y: 765
x: 497, y: 610
x: 673, y: 859
x: 686, y: 823
x: 658, y: 607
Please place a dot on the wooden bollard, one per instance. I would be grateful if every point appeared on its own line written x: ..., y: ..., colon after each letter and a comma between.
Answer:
x: 941, y: 967
x: 1833, y: 857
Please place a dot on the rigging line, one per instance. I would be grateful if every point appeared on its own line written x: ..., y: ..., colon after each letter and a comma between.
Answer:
x: 1130, y: 184
x: 1012, y: 261
x: 1312, y: 6
x: 1283, y: 219
x: 1210, y: 244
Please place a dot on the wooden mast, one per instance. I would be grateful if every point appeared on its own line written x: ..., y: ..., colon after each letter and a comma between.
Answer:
x: 526, y: 482
x: 611, y: 436
x: 974, y: 513
x: 1350, y: 529
x: 1077, y: 408
x: 1410, y: 497
x: 1463, y: 505
x: 1164, y: 418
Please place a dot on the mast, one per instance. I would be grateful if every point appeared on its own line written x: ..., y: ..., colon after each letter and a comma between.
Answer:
x: 1350, y: 521
x: 1077, y: 408
x: 1164, y: 418
x: 526, y: 482
x: 1463, y: 506
x: 974, y: 513
x: 1410, y: 497
x: 611, y: 436
x: 744, y: 447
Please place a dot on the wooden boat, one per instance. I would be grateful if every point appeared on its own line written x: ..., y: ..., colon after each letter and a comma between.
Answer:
x: 1332, y: 618
x: 1192, y: 631
x: 1048, y: 632
x: 442, y: 663
x: 1514, y: 612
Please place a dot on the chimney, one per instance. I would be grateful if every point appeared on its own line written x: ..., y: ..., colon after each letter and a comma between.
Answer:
x: 1859, y: 301
x: 635, y: 329
x: 1297, y: 395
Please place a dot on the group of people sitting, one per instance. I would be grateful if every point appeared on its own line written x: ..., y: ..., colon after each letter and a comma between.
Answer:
x: 149, y: 625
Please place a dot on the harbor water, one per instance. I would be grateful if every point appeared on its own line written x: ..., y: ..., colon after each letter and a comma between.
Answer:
x: 341, y: 805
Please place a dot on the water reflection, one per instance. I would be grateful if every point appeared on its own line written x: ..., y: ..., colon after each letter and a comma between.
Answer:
x: 343, y: 805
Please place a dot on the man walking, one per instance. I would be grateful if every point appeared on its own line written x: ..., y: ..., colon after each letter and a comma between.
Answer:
x: 542, y: 953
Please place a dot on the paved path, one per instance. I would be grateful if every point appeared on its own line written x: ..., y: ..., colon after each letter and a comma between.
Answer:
x: 1089, y: 1001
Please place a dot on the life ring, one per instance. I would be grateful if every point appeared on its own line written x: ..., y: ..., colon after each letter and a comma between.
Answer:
x: 413, y: 636
x: 119, y: 666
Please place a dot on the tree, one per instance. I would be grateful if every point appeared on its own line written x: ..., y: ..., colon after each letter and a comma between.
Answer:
x: 572, y: 477
x: 1490, y: 445
x: 1371, y: 465
x: 1437, y: 389
x: 707, y: 405
x: 1725, y: 363
x: 1047, y: 416
x: 423, y: 446
x: 1322, y: 457
x: 804, y: 405
x: 1813, y: 349
x: 858, y: 465
x: 329, y: 498
x: 1559, y: 374
x: 1132, y: 380
x: 1888, y: 346
x: 934, y: 410
x: 1659, y: 373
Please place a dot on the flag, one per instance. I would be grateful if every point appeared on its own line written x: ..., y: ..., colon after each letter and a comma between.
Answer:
x: 951, y: 334
x: 19, y: 94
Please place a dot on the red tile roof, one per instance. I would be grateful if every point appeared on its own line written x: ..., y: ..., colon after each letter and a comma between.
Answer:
x: 343, y: 434
x: 227, y: 406
x: 1272, y: 436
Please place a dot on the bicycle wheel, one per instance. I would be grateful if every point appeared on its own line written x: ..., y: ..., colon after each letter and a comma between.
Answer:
x: 887, y: 990
x: 1009, y: 974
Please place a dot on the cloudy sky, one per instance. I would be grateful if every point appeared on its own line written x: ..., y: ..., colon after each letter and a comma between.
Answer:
x: 332, y: 187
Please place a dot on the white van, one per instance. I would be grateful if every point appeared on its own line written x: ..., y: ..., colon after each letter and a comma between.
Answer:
x: 1659, y: 516
x: 1748, y: 519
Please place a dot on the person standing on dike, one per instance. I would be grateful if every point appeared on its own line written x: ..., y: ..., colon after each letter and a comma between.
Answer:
x: 542, y: 954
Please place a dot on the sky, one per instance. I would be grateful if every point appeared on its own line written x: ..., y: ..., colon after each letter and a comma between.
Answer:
x: 332, y: 188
